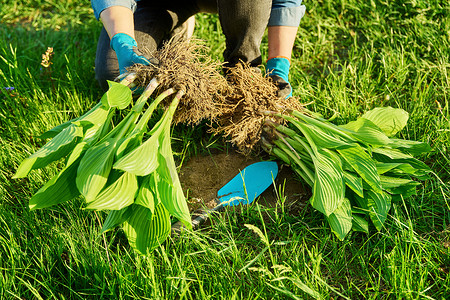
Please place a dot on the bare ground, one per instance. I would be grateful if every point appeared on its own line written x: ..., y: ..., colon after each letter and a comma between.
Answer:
x: 202, y: 176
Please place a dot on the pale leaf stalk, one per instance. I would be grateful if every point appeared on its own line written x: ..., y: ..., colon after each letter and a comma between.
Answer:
x: 323, y: 124
x: 282, y: 146
x: 148, y: 113
x: 140, y: 102
x: 128, y: 80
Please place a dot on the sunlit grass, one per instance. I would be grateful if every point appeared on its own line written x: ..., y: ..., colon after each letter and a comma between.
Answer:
x: 350, y: 56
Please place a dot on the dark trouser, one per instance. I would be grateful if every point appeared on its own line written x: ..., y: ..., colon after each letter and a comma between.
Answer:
x: 243, y: 23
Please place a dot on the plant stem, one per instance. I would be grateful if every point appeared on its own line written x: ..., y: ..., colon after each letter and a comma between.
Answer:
x: 282, y: 146
x: 140, y: 102
x: 280, y: 128
x: 148, y: 113
x: 128, y: 80
x: 323, y: 124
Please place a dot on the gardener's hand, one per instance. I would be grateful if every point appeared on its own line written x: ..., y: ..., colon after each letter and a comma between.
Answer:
x: 278, y: 70
x: 127, y: 52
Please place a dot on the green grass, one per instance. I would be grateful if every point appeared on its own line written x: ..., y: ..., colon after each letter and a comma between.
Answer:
x: 350, y: 56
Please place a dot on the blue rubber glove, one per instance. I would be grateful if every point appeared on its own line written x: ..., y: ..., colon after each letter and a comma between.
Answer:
x: 127, y: 52
x: 277, y: 68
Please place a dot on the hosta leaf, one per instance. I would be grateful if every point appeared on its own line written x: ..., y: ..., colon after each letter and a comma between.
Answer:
x: 402, y: 192
x: 94, y: 169
x: 383, y: 167
x: 115, y: 218
x: 329, y: 187
x: 379, y: 205
x: 118, y: 195
x: 354, y: 183
x: 388, y: 182
x: 412, y: 147
x: 129, y: 143
x: 146, y: 231
x: 361, y: 202
x: 367, y: 132
x: 57, y: 129
x: 117, y: 95
x: 59, y: 189
x: 147, y: 196
x: 172, y: 197
x: 89, y: 116
x: 363, y: 164
x: 406, y: 169
x: 405, y: 191
x: 77, y: 152
x: 58, y: 147
x: 393, y: 155
x: 321, y: 137
x: 143, y: 160
x: 341, y: 219
x: 175, y: 202
x: 101, y: 120
x: 360, y: 224
x: 390, y: 120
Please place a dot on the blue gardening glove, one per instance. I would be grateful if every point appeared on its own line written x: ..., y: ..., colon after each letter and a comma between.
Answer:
x: 277, y: 68
x: 127, y: 52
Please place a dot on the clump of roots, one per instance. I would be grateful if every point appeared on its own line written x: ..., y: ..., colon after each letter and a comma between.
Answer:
x: 237, y: 103
x: 243, y: 112
x: 185, y: 65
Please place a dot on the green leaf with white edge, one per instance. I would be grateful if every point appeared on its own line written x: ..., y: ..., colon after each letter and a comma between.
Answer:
x: 367, y: 132
x: 359, y: 224
x: 94, y: 169
x: 341, y: 219
x: 354, y: 183
x: 146, y: 231
x: 117, y: 95
x: 58, y: 147
x: 363, y: 164
x: 115, y: 218
x: 147, y: 195
x: 390, y: 120
x: 379, y: 205
x: 412, y: 147
x: 59, y: 189
x: 118, y: 195
x: 329, y: 186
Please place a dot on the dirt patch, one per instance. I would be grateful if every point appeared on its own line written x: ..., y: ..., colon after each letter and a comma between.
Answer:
x: 202, y: 176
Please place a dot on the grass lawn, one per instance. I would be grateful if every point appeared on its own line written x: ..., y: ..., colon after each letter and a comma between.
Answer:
x: 350, y: 56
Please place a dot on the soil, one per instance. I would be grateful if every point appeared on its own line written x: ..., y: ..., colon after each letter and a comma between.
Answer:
x: 202, y: 176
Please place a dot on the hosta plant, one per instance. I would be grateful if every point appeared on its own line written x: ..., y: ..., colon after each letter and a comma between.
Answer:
x: 118, y: 164
x: 355, y: 170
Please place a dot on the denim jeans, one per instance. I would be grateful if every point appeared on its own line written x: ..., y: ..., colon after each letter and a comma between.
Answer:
x: 243, y: 23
